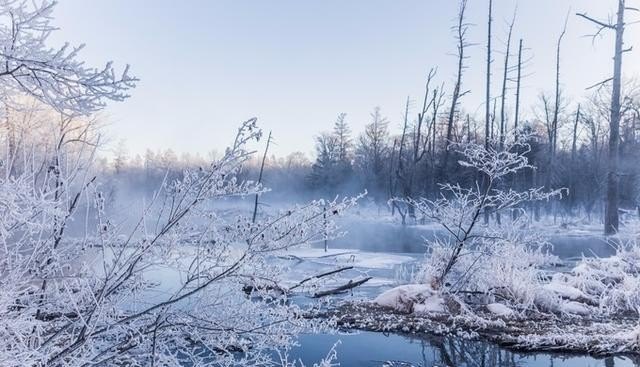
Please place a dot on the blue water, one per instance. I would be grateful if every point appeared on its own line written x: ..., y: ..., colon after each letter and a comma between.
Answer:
x: 394, y: 238
x: 368, y: 349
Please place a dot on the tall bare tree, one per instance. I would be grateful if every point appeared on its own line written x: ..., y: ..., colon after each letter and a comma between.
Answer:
x: 516, y: 118
x: 556, y: 108
x: 461, y: 29
x: 611, y: 220
x: 503, y: 97
x: 408, y: 160
x: 487, y: 112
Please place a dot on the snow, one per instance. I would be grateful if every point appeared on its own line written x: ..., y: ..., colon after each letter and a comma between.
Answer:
x: 417, y: 298
x: 564, y: 290
x: 632, y: 337
x: 433, y: 304
x: 576, y: 308
x: 499, y: 309
x: 347, y: 257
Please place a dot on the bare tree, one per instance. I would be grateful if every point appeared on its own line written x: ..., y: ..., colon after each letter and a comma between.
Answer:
x: 516, y: 118
x: 556, y: 108
x: 487, y: 114
x: 408, y: 161
x: 460, y: 210
x: 611, y: 220
x: 503, y: 97
x: 461, y: 29
x: 488, y: 124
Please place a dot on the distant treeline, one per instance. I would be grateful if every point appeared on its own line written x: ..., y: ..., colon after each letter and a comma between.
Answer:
x: 412, y: 162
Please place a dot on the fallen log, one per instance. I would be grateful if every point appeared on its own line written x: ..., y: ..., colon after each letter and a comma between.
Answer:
x: 273, y: 286
x: 343, y: 288
x: 320, y: 276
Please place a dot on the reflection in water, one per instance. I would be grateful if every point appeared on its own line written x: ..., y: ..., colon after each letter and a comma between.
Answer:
x: 368, y: 349
x: 375, y: 349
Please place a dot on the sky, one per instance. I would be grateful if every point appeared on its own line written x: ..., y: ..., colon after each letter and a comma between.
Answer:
x: 206, y: 65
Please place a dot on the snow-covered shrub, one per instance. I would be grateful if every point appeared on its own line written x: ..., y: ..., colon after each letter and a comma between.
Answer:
x: 610, y: 284
x: 469, y: 245
x: 478, y: 263
x: 168, y: 292
x: 506, y: 265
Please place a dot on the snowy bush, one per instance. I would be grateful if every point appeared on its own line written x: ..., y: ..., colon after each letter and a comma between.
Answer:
x: 507, y: 267
x: 612, y: 284
x: 459, y: 211
x: 169, y: 292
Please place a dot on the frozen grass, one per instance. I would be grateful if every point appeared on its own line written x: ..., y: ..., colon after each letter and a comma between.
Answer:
x: 512, y: 297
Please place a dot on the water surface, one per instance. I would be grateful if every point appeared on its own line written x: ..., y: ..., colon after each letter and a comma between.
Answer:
x: 368, y: 349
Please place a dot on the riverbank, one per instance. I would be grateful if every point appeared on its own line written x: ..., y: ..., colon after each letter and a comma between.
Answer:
x: 529, y: 333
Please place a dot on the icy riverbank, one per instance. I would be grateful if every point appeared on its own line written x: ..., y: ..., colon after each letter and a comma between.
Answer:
x: 591, y: 308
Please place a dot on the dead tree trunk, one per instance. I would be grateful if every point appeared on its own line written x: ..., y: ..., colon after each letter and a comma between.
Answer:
x: 611, y: 219
x: 556, y: 107
x: 554, y: 122
x: 487, y: 112
x: 461, y: 31
x: 264, y: 158
x: 503, y: 97
x: 574, y: 150
x: 516, y: 118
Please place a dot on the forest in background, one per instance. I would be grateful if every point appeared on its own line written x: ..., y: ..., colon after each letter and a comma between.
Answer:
x: 409, y: 157
x: 181, y: 280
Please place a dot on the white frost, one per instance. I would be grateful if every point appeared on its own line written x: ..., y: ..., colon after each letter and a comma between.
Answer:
x: 418, y: 298
x: 564, y: 290
x: 499, y: 309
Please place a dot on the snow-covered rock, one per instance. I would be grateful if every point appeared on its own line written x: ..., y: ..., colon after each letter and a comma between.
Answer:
x: 499, y: 309
x: 411, y: 298
x: 575, y: 308
x: 565, y: 291
x: 433, y: 304
x: 632, y: 337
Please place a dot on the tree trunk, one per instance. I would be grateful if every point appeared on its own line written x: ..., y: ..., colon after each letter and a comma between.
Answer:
x: 518, y: 81
x: 611, y: 220
x: 264, y: 158
x: 461, y: 29
x: 556, y: 109
x: 487, y: 110
x: 503, y: 97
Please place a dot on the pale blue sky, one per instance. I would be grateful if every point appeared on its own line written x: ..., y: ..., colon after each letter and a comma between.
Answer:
x: 207, y: 65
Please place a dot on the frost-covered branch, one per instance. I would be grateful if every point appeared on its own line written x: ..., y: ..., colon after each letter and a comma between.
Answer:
x: 459, y: 209
x: 55, y: 76
x: 162, y: 294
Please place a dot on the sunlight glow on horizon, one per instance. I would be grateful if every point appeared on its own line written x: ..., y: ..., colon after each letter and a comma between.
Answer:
x: 205, y: 66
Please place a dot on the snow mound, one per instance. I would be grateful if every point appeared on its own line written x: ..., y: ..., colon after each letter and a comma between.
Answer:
x: 499, y: 309
x: 575, y: 308
x: 565, y: 291
x: 433, y: 304
x: 410, y: 298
